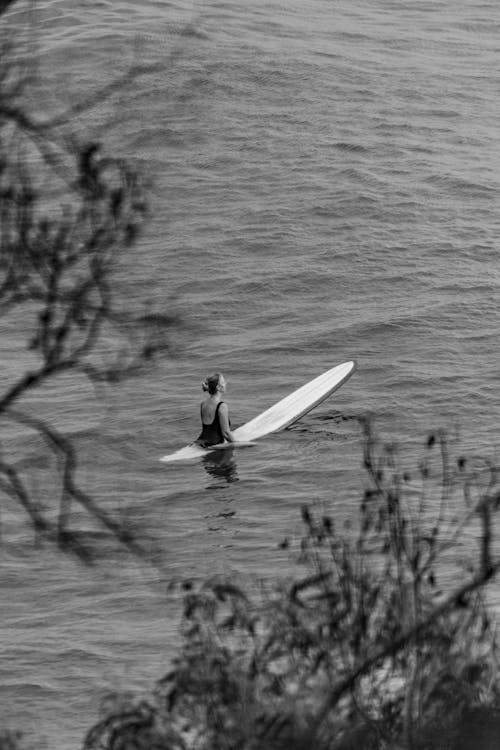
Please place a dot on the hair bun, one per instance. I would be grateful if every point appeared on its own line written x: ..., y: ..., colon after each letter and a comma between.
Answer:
x: 211, y: 383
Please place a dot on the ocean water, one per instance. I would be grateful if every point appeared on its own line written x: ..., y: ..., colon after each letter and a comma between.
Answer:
x: 324, y: 187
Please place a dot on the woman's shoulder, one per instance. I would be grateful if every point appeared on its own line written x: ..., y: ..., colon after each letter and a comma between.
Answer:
x: 207, y: 405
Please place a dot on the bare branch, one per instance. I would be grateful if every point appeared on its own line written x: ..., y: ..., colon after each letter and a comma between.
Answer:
x: 5, y: 4
x: 63, y: 448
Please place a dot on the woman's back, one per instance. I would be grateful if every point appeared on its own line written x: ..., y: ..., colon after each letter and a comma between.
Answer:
x: 214, y: 413
x: 211, y: 433
x: 208, y: 410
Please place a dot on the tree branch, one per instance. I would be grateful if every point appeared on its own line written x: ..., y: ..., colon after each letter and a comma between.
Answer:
x: 63, y: 448
x: 486, y: 571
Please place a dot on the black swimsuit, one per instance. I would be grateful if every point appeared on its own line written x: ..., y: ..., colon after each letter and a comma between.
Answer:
x: 211, y: 434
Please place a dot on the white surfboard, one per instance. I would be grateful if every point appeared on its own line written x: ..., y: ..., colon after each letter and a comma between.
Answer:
x: 277, y: 417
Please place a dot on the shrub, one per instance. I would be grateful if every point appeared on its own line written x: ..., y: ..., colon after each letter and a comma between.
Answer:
x: 372, y: 647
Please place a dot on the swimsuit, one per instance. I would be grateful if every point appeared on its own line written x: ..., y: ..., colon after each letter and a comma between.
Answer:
x: 211, y: 434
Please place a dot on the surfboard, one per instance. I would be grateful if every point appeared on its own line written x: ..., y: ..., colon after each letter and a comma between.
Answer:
x: 277, y: 417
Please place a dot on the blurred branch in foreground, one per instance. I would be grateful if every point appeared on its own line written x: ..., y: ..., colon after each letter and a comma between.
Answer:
x: 68, y: 213
x: 386, y: 642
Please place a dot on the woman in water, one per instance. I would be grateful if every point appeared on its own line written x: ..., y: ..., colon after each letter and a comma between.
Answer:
x: 214, y: 413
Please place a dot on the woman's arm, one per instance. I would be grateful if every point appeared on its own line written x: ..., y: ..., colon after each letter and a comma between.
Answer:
x: 224, y: 423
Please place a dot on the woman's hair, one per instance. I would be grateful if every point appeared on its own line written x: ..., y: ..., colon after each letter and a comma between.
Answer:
x: 211, y: 383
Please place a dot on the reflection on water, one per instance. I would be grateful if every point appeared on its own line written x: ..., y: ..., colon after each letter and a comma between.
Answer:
x: 221, y: 465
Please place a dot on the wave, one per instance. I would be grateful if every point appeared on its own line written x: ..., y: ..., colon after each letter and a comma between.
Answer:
x: 461, y: 185
x: 353, y: 148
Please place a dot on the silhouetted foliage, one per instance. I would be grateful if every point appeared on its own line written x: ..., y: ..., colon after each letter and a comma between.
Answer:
x: 11, y: 741
x: 68, y: 210
x: 386, y: 641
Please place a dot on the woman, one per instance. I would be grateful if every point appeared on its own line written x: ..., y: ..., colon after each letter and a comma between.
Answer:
x: 214, y: 413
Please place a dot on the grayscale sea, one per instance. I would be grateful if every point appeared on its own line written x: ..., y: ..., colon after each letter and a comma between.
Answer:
x: 325, y: 186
